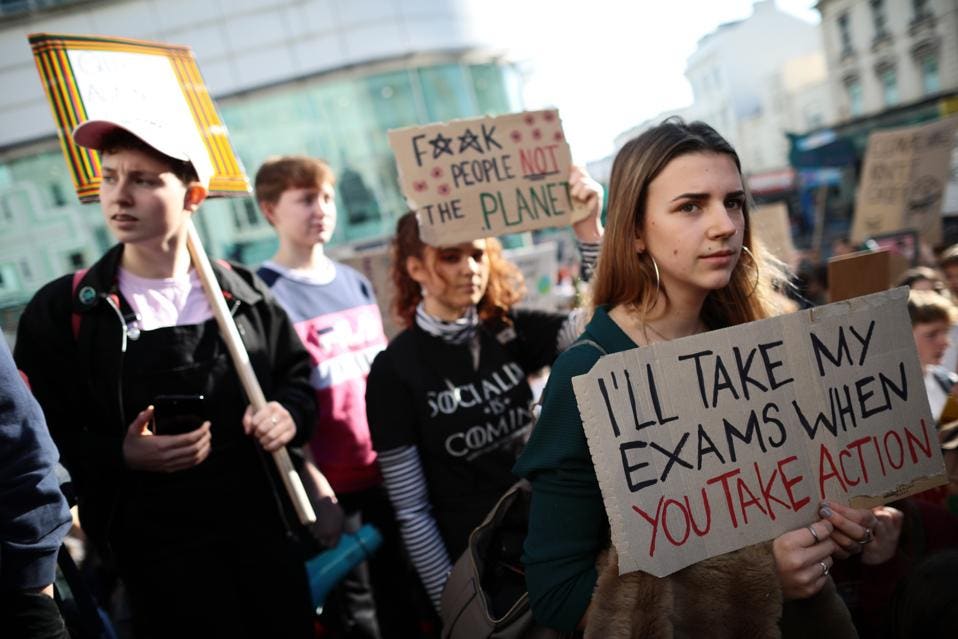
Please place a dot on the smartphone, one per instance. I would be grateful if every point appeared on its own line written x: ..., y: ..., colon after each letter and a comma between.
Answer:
x: 177, y: 414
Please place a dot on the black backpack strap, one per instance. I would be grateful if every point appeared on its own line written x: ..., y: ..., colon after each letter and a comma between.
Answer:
x: 266, y: 274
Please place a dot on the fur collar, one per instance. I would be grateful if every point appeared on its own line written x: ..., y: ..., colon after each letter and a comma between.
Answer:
x: 732, y: 595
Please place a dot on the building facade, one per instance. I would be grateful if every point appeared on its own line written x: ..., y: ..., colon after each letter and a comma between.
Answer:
x: 754, y: 80
x: 885, y: 54
x: 326, y: 78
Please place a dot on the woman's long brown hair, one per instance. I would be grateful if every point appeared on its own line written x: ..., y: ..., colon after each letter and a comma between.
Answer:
x: 505, y: 286
x: 623, y: 277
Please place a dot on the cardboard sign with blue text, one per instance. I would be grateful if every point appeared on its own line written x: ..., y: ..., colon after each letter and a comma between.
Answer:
x: 711, y: 443
x: 482, y: 177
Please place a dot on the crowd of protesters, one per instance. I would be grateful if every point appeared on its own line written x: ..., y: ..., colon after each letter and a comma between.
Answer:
x: 190, y: 533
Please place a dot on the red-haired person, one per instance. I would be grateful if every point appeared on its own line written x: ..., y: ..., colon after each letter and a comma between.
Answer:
x: 448, y: 401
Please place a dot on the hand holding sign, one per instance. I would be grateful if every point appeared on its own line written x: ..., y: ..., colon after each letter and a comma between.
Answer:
x: 803, y: 559
x: 872, y: 532
x: 586, y: 194
x: 482, y: 177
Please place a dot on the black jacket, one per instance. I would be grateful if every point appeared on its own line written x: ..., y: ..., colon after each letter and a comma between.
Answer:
x: 77, y: 379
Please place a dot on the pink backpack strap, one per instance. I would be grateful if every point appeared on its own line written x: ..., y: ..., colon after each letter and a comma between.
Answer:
x: 75, y: 317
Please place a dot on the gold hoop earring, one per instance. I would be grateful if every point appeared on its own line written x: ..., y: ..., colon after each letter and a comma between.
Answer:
x: 658, y: 280
x: 751, y: 257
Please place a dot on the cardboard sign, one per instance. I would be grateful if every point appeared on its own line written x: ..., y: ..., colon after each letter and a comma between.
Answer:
x: 376, y: 265
x: 91, y: 78
x: 711, y: 443
x: 469, y: 179
x: 903, y: 180
x: 771, y: 226
x: 539, y: 265
x: 863, y: 272
x: 950, y: 206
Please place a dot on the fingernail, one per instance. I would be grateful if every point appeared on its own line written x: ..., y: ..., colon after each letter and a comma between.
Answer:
x: 825, y: 512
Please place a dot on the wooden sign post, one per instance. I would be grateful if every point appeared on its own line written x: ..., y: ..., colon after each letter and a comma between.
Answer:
x: 91, y: 78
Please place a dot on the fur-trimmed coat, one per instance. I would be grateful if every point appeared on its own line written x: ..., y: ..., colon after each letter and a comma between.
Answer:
x: 730, y: 596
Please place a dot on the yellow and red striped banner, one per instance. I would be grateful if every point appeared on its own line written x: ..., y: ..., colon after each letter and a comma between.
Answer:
x: 50, y: 52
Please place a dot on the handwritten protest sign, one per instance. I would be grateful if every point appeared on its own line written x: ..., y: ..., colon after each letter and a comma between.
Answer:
x: 903, y: 180
x: 770, y: 224
x: 539, y: 265
x: 469, y: 179
x: 93, y: 78
x: 717, y: 441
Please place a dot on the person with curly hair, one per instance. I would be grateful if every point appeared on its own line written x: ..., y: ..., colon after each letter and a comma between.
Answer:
x: 448, y: 403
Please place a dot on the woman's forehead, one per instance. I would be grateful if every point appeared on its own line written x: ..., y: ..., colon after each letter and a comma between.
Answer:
x: 465, y: 246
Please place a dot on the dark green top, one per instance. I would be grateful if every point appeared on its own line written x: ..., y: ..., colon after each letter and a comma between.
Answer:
x: 568, y: 526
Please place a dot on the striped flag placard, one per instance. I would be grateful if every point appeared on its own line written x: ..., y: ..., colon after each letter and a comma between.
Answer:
x: 93, y: 77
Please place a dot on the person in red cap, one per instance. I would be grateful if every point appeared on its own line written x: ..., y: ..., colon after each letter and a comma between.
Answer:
x: 196, y: 524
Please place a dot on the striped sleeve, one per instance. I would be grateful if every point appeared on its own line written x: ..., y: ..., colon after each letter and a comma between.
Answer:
x: 406, y: 487
x: 590, y: 254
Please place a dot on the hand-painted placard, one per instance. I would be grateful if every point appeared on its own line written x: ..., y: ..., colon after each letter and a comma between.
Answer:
x: 469, y: 179
x: 92, y: 77
x: 904, y: 176
x: 714, y: 442
x: 539, y: 265
x: 771, y: 225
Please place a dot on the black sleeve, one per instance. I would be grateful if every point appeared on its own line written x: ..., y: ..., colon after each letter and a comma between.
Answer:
x: 46, y: 352
x: 290, y: 364
x: 390, y: 401
x: 538, y: 333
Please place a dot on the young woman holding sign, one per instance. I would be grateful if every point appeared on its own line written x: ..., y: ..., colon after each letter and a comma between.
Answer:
x: 677, y: 260
x: 448, y: 403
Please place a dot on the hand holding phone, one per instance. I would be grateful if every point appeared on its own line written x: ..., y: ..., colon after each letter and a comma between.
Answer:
x: 143, y: 450
x: 178, y: 414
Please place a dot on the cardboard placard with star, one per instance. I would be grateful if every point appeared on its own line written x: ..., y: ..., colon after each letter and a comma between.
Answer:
x: 482, y: 177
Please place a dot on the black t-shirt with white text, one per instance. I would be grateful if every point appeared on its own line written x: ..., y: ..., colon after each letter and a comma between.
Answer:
x: 469, y: 425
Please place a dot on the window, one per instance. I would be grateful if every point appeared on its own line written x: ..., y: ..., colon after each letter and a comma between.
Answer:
x: 855, y: 98
x: 26, y: 269
x: 879, y: 18
x: 6, y: 211
x: 889, y: 86
x: 920, y: 9
x: 845, y: 34
x: 57, y: 195
x: 929, y: 74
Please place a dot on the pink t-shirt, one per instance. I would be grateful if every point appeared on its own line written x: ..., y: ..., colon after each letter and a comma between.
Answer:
x: 170, y: 301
